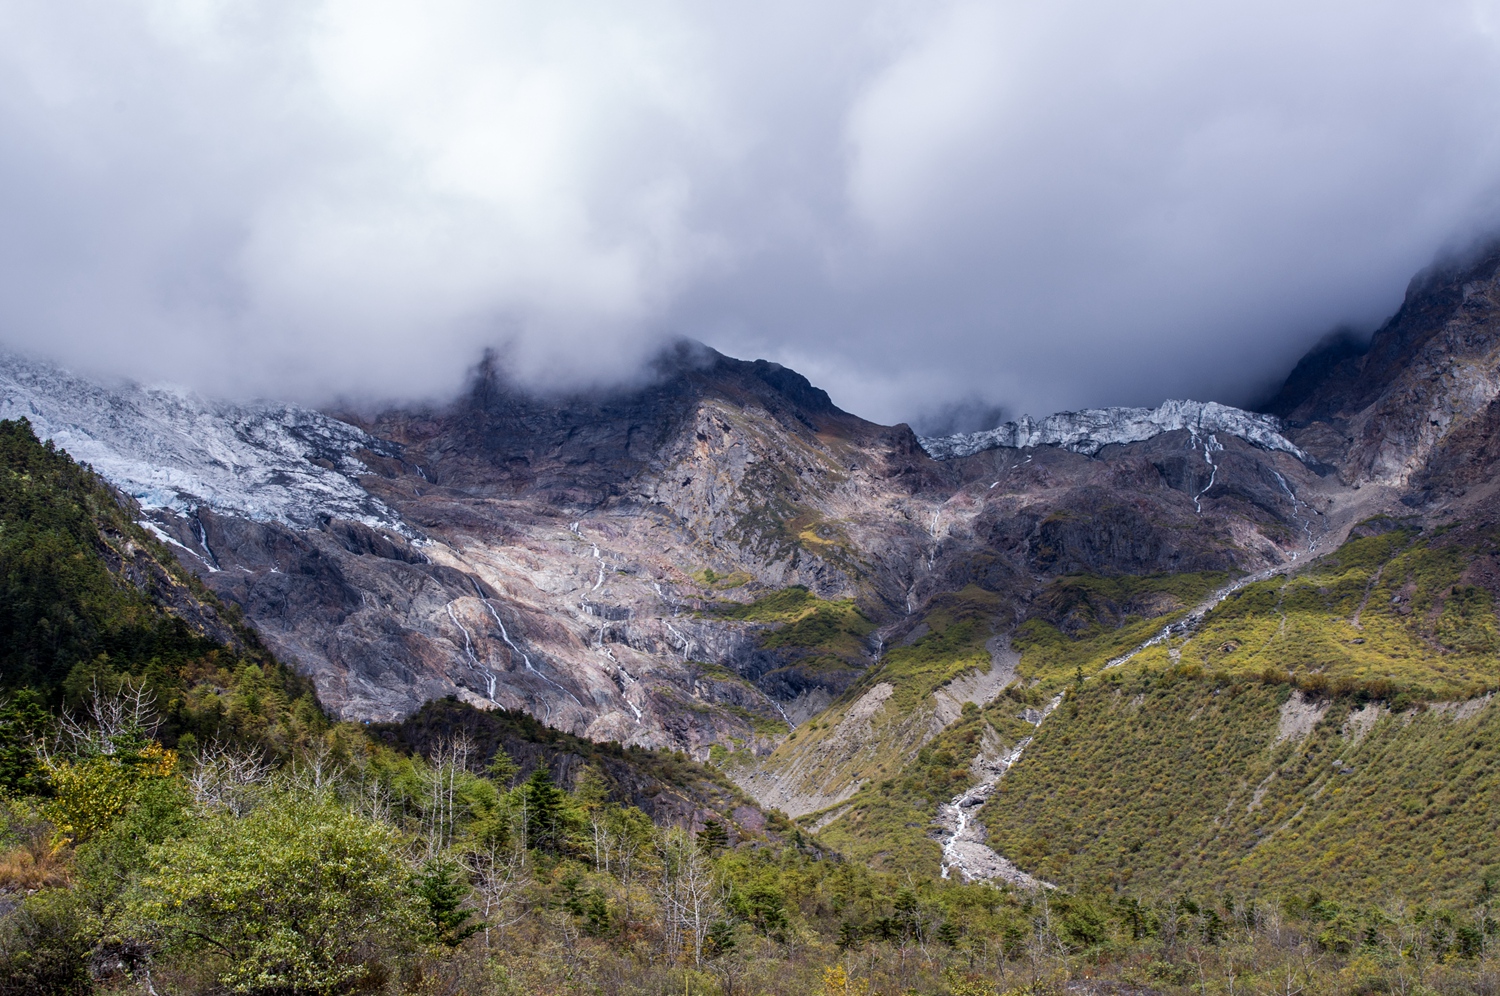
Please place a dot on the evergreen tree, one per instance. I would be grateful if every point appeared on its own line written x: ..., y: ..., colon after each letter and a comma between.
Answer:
x: 544, y: 811
x: 23, y: 719
x: 444, y: 890
x: 502, y: 769
x: 713, y: 838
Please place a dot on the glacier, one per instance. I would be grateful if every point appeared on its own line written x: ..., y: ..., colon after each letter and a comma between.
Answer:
x: 1091, y: 430
x: 175, y: 451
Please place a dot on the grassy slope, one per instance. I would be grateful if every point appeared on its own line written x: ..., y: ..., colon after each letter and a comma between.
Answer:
x: 1085, y: 621
x: 1172, y: 782
x: 1148, y: 777
x: 1391, y: 614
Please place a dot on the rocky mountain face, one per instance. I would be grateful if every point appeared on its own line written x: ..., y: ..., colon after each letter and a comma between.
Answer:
x: 555, y: 554
x: 1412, y: 403
x: 718, y: 559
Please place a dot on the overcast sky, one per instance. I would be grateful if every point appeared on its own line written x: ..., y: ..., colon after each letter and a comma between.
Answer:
x: 1029, y: 206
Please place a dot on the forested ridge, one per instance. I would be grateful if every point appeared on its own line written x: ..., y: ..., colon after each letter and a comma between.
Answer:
x: 180, y: 816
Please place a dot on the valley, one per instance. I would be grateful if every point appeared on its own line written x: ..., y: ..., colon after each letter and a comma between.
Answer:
x: 1171, y: 651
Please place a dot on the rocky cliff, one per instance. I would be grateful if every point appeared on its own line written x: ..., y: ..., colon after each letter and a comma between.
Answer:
x: 1382, y: 412
x: 555, y: 554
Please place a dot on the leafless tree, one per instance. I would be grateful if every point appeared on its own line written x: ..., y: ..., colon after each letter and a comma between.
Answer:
x: 691, y: 898
x: 449, y: 760
x: 603, y: 839
x: 1401, y: 936
x: 1044, y: 947
x: 317, y: 771
x: 110, y: 724
x: 500, y: 883
x: 223, y: 777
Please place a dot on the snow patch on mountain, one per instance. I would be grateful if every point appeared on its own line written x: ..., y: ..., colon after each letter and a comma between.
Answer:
x: 173, y: 450
x: 1091, y: 430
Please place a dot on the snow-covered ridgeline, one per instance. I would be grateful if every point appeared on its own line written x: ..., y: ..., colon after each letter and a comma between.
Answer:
x: 173, y: 450
x: 1090, y: 431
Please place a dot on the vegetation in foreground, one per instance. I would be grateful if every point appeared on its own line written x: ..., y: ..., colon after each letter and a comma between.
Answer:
x: 353, y: 868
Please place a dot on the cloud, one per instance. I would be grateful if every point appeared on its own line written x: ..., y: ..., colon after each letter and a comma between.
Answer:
x: 933, y: 210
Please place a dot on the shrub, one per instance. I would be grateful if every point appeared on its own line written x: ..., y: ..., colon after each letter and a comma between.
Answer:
x: 296, y: 896
x: 42, y: 948
x: 89, y: 795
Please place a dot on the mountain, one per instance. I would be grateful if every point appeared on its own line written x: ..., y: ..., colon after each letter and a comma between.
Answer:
x: 557, y: 554
x: 900, y: 641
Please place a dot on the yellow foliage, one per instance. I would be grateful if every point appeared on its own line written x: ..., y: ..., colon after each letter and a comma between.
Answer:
x: 836, y: 982
x: 90, y: 795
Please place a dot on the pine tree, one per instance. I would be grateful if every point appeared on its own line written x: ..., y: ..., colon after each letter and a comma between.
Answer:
x: 713, y: 838
x: 544, y: 805
x: 444, y: 891
x: 502, y: 769
x: 23, y: 719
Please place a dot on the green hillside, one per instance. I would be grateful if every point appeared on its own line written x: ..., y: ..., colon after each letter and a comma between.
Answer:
x: 1172, y: 782
x: 1394, y: 613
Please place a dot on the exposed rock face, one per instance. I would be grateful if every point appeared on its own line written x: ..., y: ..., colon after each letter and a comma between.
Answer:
x: 549, y: 554
x: 1425, y: 384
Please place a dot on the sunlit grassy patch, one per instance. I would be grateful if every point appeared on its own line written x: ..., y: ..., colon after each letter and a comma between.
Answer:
x: 1085, y: 621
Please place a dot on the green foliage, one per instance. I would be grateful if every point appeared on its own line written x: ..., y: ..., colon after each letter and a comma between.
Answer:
x: 631, y: 775
x: 297, y: 896
x: 59, y: 603
x: 805, y: 622
x: 90, y: 793
x: 502, y: 769
x: 957, y: 625
x: 1383, y: 615
x: 43, y: 948
x: 588, y: 904
x: 713, y: 838
x: 760, y: 903
x: 71, y: 622
x: 24, y: 721
x: 546, y: 818
x: 442, y: 885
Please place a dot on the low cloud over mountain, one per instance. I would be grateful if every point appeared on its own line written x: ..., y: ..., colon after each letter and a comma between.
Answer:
x: 1034, y: 207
